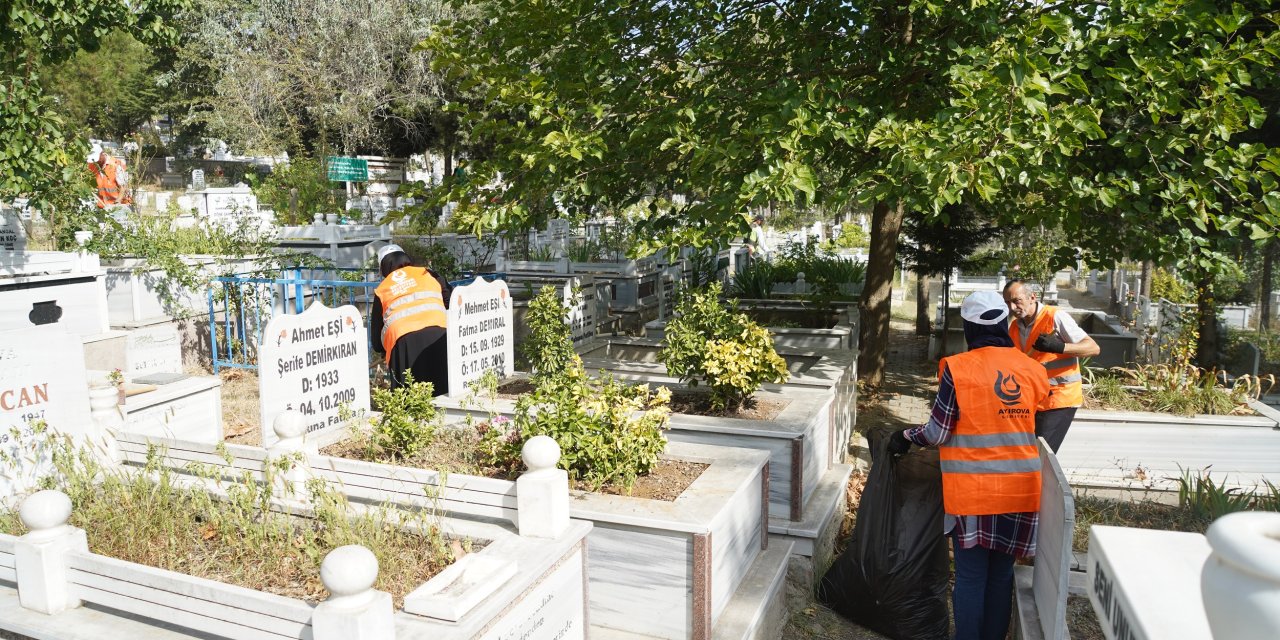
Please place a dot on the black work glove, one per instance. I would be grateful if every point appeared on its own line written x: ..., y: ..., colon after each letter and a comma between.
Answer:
x: 898, y: 444
x: 1050, y: 343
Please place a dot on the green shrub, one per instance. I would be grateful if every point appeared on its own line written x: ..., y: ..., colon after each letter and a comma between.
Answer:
x: 1164, y: 284
x: 315, y: 193
x: 852, y: 236
x: 409, y: 418
x: 549, y: 346
x: 1110, y: 392
x: 718, y: 346
x: 754, y: 282
x: 608, y: 431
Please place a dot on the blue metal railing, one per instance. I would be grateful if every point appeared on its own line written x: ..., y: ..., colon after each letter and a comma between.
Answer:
x: 241, y: 306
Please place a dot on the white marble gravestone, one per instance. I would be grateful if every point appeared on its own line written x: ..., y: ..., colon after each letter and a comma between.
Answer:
x: 197, y: 180
x: 480, y: 333
x: 13, y: 238
x: 315, y: 362
x: 1145, y: 584
x: 154, y: 349
x: 42, y: 378
x: 581, y: 312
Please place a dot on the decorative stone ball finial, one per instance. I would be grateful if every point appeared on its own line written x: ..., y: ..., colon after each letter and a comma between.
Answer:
x: 45, y: 510
x: 289, y: 424
x: 540, y: 452
x: 349, y: 571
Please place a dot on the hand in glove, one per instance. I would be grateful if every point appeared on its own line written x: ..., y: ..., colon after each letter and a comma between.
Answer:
x: 898, y: 444
x: 1050, y: 343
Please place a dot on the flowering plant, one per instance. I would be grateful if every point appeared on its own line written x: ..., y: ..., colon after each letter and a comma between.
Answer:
x: 116, y: 377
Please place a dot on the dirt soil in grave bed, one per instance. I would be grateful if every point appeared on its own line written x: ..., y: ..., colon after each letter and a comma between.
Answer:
x: 687, y: 402
x: 454, y: 451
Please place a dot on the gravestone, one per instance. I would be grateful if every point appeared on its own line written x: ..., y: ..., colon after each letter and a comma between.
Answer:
x: 42, y: 378
x: 13, y: 238
x: 581, y: 312
x: 197, y: 180
x: 479, y: 333
x: 316, y: 363
x: 1145, y: 584
x: 156, y: 349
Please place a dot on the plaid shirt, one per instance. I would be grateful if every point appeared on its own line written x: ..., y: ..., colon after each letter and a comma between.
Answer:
x: 1011, y: 533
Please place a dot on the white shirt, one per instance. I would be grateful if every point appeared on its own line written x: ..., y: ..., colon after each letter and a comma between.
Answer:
x: 1063, y: 325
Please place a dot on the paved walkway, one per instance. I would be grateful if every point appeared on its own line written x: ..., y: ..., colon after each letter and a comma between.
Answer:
x: 904, y: 401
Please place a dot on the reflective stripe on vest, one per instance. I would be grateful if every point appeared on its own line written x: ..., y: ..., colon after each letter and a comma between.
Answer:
x: 991, y: 463
x: 1063, y: 370
x: 411, y: 300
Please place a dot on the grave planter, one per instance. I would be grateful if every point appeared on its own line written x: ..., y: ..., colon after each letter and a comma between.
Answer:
x: 656, y: 568
x: 805, y: 488
x: 1147, y: 450
x: 529, y: 586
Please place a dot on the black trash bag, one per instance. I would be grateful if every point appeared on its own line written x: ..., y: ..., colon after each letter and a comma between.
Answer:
x: 893, y: 576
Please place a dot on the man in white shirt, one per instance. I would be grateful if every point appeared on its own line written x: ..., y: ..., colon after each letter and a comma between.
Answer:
x: 1052, y: 338
x: 757, y: 244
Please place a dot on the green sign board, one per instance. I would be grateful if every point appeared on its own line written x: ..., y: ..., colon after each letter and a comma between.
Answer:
x: 348, y: 169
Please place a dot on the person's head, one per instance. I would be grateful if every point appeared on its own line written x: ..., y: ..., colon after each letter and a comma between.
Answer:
x: 1021, y: 300
x: 758, y: 220
x: 392, y: 257
x: 986, y: 320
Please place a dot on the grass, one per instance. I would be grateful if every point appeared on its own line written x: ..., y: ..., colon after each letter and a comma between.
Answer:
x: 1141, y: 514
x: 155, y: 519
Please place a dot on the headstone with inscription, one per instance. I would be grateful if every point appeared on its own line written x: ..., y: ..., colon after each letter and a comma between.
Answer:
x: 42, y: 379
x: 13, y: 238
x: 581, y: 311
x: 1145, y: 584
x: 156, y: 349
x: 480, y: 333
x: 197, y: 180
x: 316, y: 363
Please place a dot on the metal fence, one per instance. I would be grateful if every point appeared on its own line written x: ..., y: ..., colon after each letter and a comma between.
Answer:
x: 241, y: 306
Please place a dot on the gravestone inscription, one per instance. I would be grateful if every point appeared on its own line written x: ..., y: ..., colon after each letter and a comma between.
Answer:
x: 155, y: 349
x: 13, y: 238
x: 42, y: 381
x: 316, y: 363
x: 479, y: 333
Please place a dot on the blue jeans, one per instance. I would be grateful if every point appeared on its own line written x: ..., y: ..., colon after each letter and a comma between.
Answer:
x: 982, y: 600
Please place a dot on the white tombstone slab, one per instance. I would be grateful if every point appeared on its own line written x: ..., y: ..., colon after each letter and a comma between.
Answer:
x: 553, y: 609
x: 156, y: 349
x: 479, y: 333
x: 42, y: 377
x: 197, y: 180
x: 13, y: 238
x: 1145, y: 584
x: 582, y: 313
x: 315, y: 362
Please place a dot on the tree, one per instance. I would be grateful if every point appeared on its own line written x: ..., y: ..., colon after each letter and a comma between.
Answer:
x: 936, y: 245
x: 1098, y: 117
x: 37, y: 150
x: 111, y: 91
x: 314, y: 76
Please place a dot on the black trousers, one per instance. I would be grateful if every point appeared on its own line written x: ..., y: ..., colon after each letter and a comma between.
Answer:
x: 1052, y: 425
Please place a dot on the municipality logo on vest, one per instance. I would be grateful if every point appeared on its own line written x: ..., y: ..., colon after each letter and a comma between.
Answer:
x: 1007, y: 389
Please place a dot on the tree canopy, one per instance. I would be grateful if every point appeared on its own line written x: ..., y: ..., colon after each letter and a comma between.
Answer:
x: 1127, y: 123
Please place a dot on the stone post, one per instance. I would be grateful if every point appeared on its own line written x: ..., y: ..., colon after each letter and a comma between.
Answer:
x: 802, y: 287
x: 291, y: 483
x: 542, y: 492
x: 40, y: 556
x: 104, y: 410
x: 354, y: 610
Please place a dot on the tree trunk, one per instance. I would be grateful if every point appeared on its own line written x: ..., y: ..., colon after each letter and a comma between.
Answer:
x: 1268, y: 266
x: 886, y: 223
x: 1148, y: 268
x: 1207, y: 321
x: 923, y: 325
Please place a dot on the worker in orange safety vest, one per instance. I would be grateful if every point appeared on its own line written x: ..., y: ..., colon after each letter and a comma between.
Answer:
x: 408, y: 320
x: 111, y: 176
x: 1052, y: 338
x: 983, y: 423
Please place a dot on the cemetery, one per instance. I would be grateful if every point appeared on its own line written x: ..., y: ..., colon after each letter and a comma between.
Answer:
x: 552, y: 321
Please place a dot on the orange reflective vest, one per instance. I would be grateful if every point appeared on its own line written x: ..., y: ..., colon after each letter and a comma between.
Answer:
x: 1064, y: 370
x: 411, y: 299
x: 110, y: 191
x: 991, y: 464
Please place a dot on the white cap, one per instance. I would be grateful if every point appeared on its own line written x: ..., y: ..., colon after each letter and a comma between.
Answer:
x: 387, y: 250
x: 94, y: 153
x: 977, y: 306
